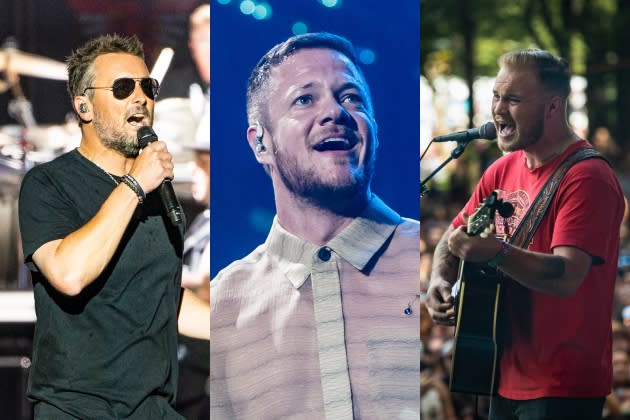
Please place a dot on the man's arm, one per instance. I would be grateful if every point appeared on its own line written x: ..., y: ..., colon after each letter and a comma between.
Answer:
x: 560, y: 273
x: 194, y: 316
x: 440, y: 301
x: 72, y: 263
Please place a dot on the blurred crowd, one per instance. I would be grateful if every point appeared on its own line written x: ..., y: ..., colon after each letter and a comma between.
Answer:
x: 446, y: 195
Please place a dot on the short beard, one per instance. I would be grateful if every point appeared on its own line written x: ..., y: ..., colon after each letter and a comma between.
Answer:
x: 341, y: 199
x: 114, y: 139
x: 535, y: 131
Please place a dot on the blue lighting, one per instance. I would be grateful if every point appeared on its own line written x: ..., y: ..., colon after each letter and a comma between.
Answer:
x: 224, y: 1
x: 299, y: 28
x: 331, y: 3
x: 247, y: 7
x: 262, y: 11
x: 367, y: 56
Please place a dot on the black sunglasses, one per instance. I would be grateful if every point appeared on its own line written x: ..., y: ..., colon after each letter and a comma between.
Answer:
x: 123, y: 87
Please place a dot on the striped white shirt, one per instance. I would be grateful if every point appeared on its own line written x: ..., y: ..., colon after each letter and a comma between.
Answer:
x: 269, y: 334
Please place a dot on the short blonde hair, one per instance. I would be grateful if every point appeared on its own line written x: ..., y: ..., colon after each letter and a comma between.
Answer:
x: 552, y: 72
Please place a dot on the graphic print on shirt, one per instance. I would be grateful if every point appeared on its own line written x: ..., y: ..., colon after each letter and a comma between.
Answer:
x: 504, y: 228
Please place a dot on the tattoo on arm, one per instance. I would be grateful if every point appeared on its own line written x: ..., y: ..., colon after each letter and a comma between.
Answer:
x: 446, y: 264
x: 552, y: 267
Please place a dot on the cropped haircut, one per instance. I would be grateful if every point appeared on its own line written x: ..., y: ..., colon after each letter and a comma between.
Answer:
x: 552, y: 72
x: 81, y: 61
x: 258, y: 86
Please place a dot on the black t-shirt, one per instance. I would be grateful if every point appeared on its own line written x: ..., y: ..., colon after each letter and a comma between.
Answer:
x: 110, y: 352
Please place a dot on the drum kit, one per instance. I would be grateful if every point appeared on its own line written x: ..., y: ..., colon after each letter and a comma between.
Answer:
x: 27, y: 143
x: 23, y: 145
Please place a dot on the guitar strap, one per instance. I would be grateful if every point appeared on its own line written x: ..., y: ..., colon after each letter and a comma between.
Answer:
x: 526, y: 229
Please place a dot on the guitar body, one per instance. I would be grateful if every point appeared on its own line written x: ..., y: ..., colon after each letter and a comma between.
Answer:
x: 475, y: 361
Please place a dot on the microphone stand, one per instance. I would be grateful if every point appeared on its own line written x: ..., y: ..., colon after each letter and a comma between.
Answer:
x: 455, y: 153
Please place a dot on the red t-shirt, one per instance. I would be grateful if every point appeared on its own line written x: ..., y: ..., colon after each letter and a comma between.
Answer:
x: 559, y: 347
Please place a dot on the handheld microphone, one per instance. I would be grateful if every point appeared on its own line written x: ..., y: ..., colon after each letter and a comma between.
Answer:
x: 146, y: 135
x: 486, y: 132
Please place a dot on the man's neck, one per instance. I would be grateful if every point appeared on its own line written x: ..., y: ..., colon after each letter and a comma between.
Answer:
x: 108, y: 160
x: 549, y: 148
x: 314, y: 223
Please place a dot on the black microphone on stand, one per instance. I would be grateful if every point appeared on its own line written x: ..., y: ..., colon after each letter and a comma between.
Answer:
x: 463, y: 138
x: 485, y: 132
x: 146, y: 135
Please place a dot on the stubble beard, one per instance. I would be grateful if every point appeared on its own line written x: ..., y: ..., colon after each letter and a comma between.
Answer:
x: 116, y: 139
x: 529, y: 138
x: 308, y: 185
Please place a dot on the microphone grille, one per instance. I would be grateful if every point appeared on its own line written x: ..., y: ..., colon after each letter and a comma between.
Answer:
x: 146, y: 135
x: 488, y: 131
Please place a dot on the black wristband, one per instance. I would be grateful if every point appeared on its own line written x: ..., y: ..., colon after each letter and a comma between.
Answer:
x: 135, y: 187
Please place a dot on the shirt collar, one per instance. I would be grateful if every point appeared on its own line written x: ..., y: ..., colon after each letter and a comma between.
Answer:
x: 357, y: 243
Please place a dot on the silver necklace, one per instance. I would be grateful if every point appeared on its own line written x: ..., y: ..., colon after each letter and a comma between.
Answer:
x: 111, y: 177
x: 104, y: 171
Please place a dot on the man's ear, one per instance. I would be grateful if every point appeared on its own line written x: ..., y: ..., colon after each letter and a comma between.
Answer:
x: 555, y: 105
x: 256, y: 140
x: 83, y: 108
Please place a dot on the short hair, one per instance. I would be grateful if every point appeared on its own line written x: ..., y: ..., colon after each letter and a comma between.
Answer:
x: 552, y: 72
x: 257, y: 85
x: 81, y: 61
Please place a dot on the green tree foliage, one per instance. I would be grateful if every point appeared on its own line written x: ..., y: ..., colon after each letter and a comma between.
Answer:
x: 465, y: 38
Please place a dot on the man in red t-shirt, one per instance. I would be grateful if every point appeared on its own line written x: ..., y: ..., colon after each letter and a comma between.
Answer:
x: 556, y: 361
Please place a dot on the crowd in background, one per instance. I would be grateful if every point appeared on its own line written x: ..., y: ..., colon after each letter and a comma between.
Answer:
x: 446, y: 196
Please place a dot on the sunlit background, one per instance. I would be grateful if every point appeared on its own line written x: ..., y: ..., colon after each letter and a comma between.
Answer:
x: 461, y: 41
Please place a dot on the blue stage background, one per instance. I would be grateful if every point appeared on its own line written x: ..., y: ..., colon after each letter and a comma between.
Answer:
x: 241, y: 201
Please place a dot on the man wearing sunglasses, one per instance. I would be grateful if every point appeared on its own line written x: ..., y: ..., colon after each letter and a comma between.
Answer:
x: 105, y: 262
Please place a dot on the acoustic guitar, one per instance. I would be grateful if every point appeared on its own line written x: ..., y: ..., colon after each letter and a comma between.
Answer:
x: 474, y: 367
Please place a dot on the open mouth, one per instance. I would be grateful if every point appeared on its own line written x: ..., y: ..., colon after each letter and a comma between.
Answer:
x: 137, y: 120
x: 506, y: 130
x: 335, y: 144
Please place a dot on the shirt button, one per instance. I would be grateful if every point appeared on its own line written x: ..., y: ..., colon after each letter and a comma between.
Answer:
x: 324, y: 254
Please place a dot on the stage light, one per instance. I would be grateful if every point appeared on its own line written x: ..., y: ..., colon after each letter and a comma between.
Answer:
x: 367, y: 56
x: 330, y: 3
x: 224, y: 1
x: 299, y: 28
x: 247, y: 7
x: 262, y: 11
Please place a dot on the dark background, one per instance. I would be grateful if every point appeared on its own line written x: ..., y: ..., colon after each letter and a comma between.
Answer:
x: 241, y: 194
x: 53, y: 28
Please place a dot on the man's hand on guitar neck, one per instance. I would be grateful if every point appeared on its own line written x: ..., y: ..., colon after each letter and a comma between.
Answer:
x: 475, y: 249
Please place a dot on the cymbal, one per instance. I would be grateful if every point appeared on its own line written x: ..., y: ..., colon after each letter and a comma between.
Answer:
x: 18, y: 62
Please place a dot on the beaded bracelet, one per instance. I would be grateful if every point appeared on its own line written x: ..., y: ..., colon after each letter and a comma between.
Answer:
x: 135, y: 187
x: 500, y: 256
